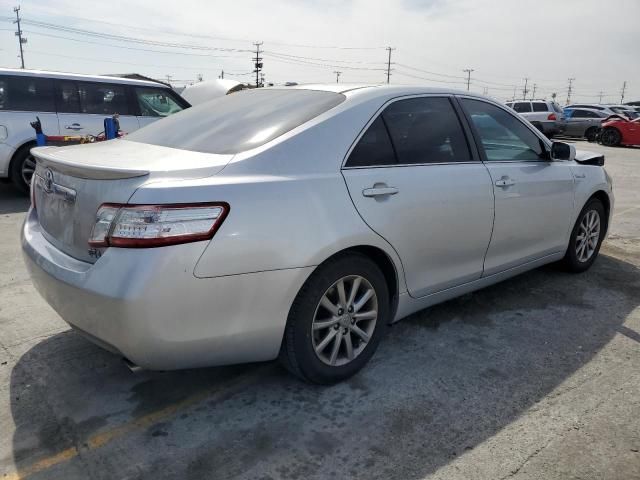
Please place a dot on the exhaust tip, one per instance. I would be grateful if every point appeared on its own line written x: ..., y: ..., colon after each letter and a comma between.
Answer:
x: 132, y: 366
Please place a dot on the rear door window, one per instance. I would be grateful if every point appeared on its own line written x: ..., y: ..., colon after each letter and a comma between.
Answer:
x: 426, y: 130
x: 539, y: 107
x: 103, y: 98
x: 25, y: 93
x: 522, y: 107
x: 374, y: 148
x: 157, y: 102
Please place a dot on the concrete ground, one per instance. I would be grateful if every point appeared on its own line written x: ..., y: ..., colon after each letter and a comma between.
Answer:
x: 536, y: 377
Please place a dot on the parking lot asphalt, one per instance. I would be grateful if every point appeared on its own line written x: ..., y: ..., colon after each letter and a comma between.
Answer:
x: 536, y: 377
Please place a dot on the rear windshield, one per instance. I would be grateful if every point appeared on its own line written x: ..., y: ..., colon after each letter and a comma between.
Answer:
x: 239, y: 121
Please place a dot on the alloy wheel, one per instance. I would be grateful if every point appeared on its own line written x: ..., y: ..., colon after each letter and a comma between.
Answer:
x: 28, y: 168
x: 344, y: 320
x: 588, y: 236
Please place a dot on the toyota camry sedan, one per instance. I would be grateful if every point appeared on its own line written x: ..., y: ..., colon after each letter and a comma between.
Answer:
x: 299, y: 223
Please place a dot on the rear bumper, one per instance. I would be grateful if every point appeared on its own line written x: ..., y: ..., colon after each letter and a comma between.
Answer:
x: 147, y: 305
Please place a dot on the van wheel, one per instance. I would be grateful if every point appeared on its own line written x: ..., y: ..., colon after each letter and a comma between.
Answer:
x: 586, y: 237
x: 23, y: 166
x: 337, y: 320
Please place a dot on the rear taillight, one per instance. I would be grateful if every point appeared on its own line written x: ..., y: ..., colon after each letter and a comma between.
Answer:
x: 552, y: 116
x: 143, y: 226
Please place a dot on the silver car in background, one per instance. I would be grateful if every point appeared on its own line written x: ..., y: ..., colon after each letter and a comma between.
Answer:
x: 300, y: 222
x: 584, y: 122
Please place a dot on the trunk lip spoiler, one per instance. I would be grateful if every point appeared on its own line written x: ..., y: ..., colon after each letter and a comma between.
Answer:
x: 46, y: 158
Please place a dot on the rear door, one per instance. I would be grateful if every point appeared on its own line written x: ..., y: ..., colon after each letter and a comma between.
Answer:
x: 533, y: 195
x: 83, y: 106
x: 416, y: 182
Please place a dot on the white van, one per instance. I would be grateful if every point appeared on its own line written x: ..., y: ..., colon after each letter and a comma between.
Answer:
x: 70, y: 104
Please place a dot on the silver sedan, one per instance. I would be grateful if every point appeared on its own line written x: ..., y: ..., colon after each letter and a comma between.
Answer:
x: 298, y: 223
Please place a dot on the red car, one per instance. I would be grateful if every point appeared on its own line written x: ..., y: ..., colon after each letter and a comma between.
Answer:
x: 620, y: 130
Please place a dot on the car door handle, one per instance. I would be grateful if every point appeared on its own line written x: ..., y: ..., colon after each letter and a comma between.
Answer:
x: 504, y: 182
x: 73, y: 126
x: 379, y: 191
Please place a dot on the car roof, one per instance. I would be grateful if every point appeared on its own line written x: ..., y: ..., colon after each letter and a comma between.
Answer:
x: 378, y: 89
x: 79, y: 76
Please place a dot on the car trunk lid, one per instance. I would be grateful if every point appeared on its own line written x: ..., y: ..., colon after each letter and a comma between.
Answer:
x: 72, y: 182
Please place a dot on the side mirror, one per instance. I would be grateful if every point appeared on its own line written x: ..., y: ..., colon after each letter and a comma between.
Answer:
x: 562, y: 151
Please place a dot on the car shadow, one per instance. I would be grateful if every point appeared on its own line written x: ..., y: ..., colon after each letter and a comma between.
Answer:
x: 443, y: 381
x: 12, y: 200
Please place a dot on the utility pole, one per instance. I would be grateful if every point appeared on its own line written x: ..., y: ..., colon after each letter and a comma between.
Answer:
x: 524, y: 92
x: 389, y: 49
x: 169, y: 79
x: 624, y: 88
x: 222, y: 74
x: 569, y: 90
x: 468, y: 72
x: 515, y: 87
x: 533, y: 95
x: 257, y: 63
x: 337, y: 76
x: 600, y: 94
x: 21, y: 40
x: 485, y: 90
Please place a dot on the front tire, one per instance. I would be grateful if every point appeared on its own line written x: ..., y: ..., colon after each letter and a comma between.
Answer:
x: 586, y: 237
x: 337, y: 320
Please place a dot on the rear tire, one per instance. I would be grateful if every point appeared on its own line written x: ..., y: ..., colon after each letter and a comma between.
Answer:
x: 22, y: 167
x: 309, y: 348
x: 586, y: 237
x: 610, y: 137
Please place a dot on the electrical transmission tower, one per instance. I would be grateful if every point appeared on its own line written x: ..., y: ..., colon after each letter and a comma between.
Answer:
x: 624, y: 88
x: 21, y: 39
x: 569, y: 90
x: 258, y: 63
x: 468, y: 72
x: 337, y: 76
x: 389, y: 49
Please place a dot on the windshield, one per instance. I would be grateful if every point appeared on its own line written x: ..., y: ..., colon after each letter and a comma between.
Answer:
x: 238, y: 121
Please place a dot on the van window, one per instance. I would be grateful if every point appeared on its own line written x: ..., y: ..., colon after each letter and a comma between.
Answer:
x: 522, y: 107
x: 156, y: 102
x: 67, y: 99
x: 25, y: 93
x: 239, y: 121
x: 103, y: 98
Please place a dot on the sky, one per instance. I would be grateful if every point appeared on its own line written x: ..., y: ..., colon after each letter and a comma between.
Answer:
x: 504, y: 42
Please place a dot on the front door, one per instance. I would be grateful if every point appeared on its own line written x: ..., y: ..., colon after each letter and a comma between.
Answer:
x: 533, y: 195
x: 415, y: 182
x: 83, y: 106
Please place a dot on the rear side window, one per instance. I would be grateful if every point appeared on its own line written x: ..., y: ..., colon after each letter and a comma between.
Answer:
x: 584, y: 114
x: 24, y: 93
x: 103, y: 98
x: 539, y: 107
x: 426, y: 130
x: 239, y: 121
x: 156, y: 102
x: 522, y: 107
x: 374, y: 148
